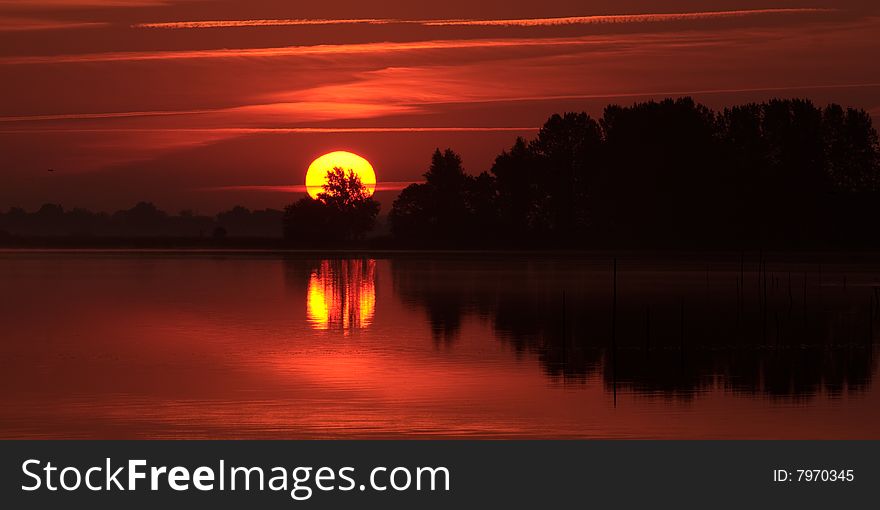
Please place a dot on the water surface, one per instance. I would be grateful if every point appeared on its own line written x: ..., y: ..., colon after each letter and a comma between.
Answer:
x: 259, y: 345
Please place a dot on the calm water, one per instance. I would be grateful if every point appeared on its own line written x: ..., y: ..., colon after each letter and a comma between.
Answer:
x: 214, y: 345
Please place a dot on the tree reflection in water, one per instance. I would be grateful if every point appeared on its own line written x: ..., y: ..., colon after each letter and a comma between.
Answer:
x: 342, y: 294
x: 679, y: 329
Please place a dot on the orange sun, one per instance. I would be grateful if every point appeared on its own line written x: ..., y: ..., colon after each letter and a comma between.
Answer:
x: 316, y: 176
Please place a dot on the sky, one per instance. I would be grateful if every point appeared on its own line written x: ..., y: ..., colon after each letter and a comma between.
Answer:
x: 201, y: 104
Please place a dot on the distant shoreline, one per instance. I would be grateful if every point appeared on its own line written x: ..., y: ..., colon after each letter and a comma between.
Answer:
x: 251, y: 248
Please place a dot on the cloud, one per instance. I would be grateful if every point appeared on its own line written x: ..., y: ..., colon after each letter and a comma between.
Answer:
x: 239, y: 131
x: 269, y: 114
x: 76, y: 4
x: 321, y: 50
x: 530, y: 22
x: 27, y: 24
x: 93, y: 116
x: 309, y: 111
x: 669, y: 93
x: 421, y: 88
x: 177, y: 25
x: 622, y: 18
x: 287, y: 51
x: 389, y: 92
x: 410, y: 86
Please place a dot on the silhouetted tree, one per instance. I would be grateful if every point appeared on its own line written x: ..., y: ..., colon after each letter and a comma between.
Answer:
x: 411, y: 213
x: 307, y: 220
x: 661, y: 181
x: 851, y: 149
x: 143, y: 220
x: 567, y: 151
x: 241, y: 221
x: 344, y: 211
x: 49, y: 219
x: 352, y: 206
x: 789, y: 159
x: 482, y: 200
x: 518, y: 191
x: 447, y: 207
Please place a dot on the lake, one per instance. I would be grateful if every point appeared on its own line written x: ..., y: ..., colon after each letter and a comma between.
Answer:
x: 116, y: 344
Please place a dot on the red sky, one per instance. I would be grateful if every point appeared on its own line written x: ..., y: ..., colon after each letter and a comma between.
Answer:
x: 198, y: 104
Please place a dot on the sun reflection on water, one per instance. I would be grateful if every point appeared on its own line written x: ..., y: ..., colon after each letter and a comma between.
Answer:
x: 342, y: 295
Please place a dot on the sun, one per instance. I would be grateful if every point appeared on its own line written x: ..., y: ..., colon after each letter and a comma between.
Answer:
x: 316, y: 176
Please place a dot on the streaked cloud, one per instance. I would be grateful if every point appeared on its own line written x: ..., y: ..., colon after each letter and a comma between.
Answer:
x: 247, y: 116
x: 388, y: 92
x: 177, y: 25
x: 27, y: 24
x: 75, y: 4
x: 623, y: 18
x: 317, y: 50
x: 282, y: 130
x: 311, y: 111
x: 670, y: 93
x: 107, y: 115
x: 529, y: 22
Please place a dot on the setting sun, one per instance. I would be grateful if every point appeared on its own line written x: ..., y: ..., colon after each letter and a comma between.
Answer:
x: 316, y: 176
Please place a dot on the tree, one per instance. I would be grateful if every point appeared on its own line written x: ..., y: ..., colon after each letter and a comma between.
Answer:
x: 242, y: 222
x: 350, y: 203
x: 445, y: 207
x: 307, y: 220
x: 344, y: 211
x: 410, y: 215
x: 567, y: 151
x: 144, y: 219
x: 851, y: 148
x: 662, y: 175
x: 517, y: 188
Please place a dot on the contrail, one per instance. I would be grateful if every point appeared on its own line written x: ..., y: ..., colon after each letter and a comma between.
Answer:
x: 177, y: 25
x: 109, y: 115
x: 530, y: 22
x: 295, y: 51
x: 622, y: 18
x: 680, y: 93
x: 28, y: 25
x: 290, y: 130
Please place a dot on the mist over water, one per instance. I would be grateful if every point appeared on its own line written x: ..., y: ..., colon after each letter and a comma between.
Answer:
x: 223, y: 345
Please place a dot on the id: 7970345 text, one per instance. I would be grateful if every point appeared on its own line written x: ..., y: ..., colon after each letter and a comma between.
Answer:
x: 814, y: 475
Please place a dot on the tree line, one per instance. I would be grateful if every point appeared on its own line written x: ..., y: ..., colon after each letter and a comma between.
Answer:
x: 667, y: 173
x: 142, y: 220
